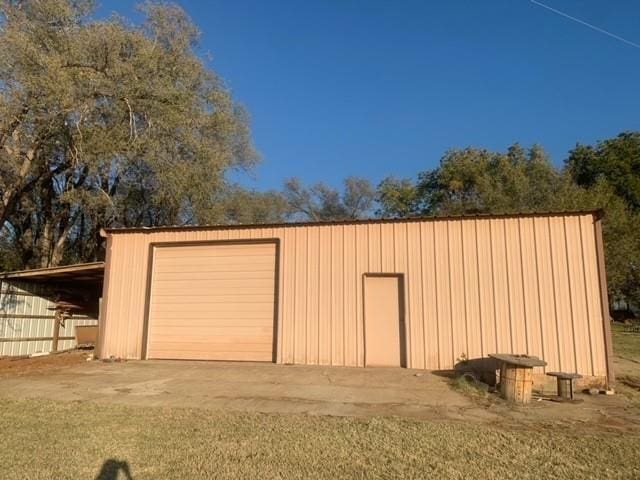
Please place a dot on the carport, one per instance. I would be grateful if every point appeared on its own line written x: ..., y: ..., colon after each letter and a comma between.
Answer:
x: 40, y: 309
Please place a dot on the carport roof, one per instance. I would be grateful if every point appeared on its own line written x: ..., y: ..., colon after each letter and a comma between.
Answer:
x: 81, y: 272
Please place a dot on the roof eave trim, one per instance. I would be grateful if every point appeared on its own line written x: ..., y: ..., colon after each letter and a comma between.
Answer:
x: 105, y: 232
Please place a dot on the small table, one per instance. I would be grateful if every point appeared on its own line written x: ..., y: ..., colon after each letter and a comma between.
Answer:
x: 516, y: 375
x: 565, y: 384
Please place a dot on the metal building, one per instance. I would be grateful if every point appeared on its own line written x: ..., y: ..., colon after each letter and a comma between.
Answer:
x: 429, y: 293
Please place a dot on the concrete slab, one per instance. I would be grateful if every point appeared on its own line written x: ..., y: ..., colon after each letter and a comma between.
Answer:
x: 286, y: 389
x: 256, y: 387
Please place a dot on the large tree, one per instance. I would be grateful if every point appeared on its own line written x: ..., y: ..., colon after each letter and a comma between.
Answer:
x: 616, y: 160
x: 475, y: 180
x: 103, y: 123
x: 321, y: 202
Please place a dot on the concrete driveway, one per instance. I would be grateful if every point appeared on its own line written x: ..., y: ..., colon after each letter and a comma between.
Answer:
x: 254, y: 387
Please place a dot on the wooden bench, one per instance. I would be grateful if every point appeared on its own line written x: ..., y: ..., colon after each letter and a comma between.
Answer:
x: 565, y: 384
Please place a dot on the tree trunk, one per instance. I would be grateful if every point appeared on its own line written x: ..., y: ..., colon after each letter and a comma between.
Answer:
x: 57, y: 252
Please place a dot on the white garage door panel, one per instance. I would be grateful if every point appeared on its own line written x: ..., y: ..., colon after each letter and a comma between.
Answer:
x: 213, y: 302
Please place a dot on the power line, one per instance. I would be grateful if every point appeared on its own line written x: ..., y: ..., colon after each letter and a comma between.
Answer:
x: 582, y: 22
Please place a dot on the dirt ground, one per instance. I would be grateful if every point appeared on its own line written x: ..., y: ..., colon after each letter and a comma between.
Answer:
x: 315, y: 390
x: 18, y: 366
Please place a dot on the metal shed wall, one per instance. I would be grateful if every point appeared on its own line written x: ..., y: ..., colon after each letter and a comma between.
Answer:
x: 473, y: 286
x: 27, y: 311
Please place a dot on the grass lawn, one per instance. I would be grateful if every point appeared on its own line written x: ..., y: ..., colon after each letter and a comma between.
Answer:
x: 626, y: 348
x: 42, y: 439
x: 625, y: 344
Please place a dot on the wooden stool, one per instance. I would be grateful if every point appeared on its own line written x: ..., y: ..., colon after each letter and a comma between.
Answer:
x: 565, y: 383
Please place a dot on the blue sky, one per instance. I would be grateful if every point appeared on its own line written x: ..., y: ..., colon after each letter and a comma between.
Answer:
x: 373, y: 88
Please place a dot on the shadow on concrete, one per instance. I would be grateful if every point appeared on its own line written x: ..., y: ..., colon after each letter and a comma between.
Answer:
x: 111, y: 470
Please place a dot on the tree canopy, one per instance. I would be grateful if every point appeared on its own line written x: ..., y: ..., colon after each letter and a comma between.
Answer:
x: 615, y: 160
x: 320, y: 202
x: 475, y: 180
x: 104, y: 123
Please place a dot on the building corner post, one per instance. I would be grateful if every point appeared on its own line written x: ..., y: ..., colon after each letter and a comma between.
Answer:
x: 604, y: 302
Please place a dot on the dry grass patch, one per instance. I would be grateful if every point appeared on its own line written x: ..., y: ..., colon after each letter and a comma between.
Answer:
x: 43, y: 439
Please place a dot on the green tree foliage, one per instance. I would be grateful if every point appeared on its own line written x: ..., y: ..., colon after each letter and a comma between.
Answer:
x: 103, y: 123
x: 398, y: 198
x: 616, y: 160
x: 476, y: 181
x: 320, y: 202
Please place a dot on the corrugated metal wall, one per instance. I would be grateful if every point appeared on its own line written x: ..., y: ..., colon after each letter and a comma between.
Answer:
x: 473, y: 286
x: 26, y: 311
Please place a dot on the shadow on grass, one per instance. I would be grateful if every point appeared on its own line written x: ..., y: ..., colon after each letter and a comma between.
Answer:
x: 111, y: 469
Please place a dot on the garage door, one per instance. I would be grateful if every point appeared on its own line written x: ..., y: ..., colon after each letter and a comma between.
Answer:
x: 213, y: 302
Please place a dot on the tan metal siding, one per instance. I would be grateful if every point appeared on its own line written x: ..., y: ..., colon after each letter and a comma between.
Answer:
x: 473, y: 286
x: 580, y: 318
x: 415, y: 354
x: 501, y: 306
x: 530, y: 290
x: 300, y: 293
x: 471, y: 291
x: 563, y: 299
x: 459, y: 338
x: 429, y: 297
x: 350, y: 281
x: 518, y: 321
x: 336, y: 285
x: 596, y: 334
x: 363, y: 265
x: 287, y: 312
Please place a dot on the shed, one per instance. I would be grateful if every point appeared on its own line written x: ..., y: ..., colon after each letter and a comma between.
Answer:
x: 41, y: 308
x: 427, y: 293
